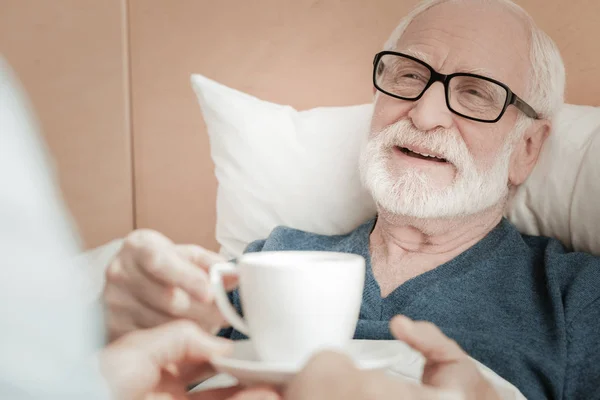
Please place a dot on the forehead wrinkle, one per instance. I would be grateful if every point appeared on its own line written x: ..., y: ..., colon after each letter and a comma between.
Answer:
x: 425, y: 47
x: 411, y: 51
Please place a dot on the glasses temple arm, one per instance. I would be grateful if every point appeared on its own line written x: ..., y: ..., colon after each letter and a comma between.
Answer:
x: 523, y: 106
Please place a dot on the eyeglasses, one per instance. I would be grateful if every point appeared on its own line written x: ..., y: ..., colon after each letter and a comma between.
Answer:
x: 471, y: 96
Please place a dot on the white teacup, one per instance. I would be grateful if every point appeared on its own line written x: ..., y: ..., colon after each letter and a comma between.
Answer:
x: 294, y: 302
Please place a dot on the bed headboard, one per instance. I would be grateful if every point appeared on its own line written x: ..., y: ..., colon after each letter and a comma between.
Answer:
x: 146, y: 126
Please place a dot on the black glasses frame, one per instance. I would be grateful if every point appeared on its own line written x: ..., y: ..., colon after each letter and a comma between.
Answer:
x: 511, y: 98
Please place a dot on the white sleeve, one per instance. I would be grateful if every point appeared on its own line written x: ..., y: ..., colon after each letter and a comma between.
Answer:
x: 47, y: 331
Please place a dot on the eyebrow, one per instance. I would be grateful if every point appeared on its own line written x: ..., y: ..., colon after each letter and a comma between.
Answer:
x: 468, y: 70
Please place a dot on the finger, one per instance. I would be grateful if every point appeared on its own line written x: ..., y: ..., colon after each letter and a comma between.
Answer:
x: 427, y: 339
x: 207, y: 316
x: 169, y: 388
x: 230, y: 282
x: 326, y: 362
x: 167, y: 299
x: 195, y: 373
x: 122, y: 302
x: 236, y: 393
x: 199, y: 255
x: 179, y: 341
x: 257, y: 393
x: 204, y: 259
x: 333, y: 376
x: 173, y: 302
x: 124, y: 314
x: 155, y: 256
x: 377, y: 385
x: 163, y: 396
x: 215, y: 394
x: 127, y: 285
x: 118, y: 325
x: 327, y: 375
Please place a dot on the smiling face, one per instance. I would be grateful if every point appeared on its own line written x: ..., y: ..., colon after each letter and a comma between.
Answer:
x: 424, y: 161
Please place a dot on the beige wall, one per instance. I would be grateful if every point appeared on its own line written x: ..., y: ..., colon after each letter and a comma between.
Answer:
x: 298, y: 52
x: 74, y: 55
x: 71, y: 56
x: 575, y: 27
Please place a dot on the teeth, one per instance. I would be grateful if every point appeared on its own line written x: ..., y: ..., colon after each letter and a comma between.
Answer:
x: 405, y: 149
x: 426, y: 155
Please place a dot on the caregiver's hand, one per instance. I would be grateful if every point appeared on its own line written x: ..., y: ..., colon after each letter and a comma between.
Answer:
x: 153, y: 281
x: 159, y: 363
x: 448, y: 374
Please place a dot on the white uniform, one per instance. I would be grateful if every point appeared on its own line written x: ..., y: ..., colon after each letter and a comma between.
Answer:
x: 47, y: 331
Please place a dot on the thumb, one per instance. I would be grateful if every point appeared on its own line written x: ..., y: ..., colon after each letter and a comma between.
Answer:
x: 134, y: 363
x: 427, y: 339
x: 178, y: 341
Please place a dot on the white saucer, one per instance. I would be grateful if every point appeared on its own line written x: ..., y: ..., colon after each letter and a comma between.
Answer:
x: 243, y: 364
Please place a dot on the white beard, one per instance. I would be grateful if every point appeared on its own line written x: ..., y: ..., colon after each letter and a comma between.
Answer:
x: 411, y: 193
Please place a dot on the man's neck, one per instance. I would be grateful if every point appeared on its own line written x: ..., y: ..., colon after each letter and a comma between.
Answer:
x: 434, y: 236
x: 404, y: 247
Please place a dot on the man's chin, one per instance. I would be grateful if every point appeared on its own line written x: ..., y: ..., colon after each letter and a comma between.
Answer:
x: 428, y: 206
x: 414, y: 204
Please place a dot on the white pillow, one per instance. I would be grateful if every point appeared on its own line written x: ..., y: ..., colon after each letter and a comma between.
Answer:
x: 279, y: 166
x: 561, y: 197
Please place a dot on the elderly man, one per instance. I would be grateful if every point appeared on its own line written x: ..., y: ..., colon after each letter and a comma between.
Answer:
x: 465, y: 94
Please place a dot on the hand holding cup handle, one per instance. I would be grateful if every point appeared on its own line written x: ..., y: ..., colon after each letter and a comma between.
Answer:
x: 152, y: 281
x: 222, y: 300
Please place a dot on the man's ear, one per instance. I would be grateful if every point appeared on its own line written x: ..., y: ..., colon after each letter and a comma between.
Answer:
x: 527, y: 151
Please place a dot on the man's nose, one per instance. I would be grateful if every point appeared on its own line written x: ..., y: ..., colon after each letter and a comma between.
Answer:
x: 431, y: 111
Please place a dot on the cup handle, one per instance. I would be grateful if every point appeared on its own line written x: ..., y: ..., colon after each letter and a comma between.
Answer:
x: 229, y: 312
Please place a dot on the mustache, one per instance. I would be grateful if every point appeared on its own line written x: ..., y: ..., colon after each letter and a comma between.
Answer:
x: 446, y: 142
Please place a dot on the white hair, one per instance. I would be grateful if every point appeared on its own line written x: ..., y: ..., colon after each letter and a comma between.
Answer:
x: 546, y: 84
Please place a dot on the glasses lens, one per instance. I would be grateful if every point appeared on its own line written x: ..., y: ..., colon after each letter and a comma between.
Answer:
x: 401, y: 76
x: 476, y: 97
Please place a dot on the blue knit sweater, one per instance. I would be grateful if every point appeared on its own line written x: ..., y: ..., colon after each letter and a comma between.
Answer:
x: 522, y: 305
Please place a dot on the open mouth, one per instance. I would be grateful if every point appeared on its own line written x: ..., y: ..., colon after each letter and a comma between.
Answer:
x: 422, y: 156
